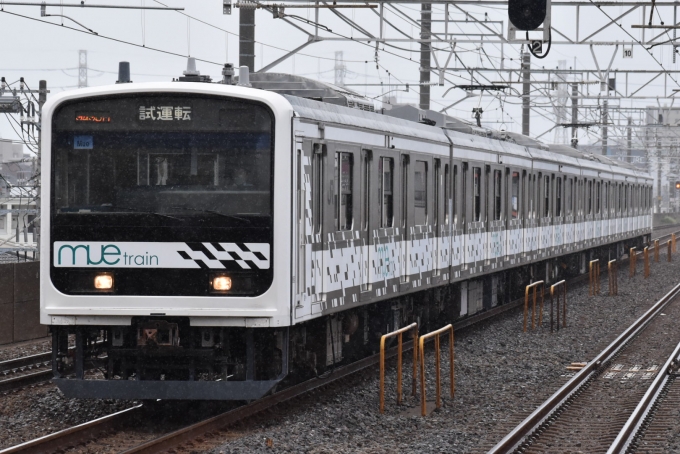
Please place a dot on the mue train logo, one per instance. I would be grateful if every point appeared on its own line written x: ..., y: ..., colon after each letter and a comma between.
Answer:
x: 103, y: 254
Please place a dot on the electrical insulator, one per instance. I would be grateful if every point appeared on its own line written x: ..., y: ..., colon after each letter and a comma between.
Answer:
x: 527, y: 14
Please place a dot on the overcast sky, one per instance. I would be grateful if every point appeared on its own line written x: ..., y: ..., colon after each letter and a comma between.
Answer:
x: 34, y: 48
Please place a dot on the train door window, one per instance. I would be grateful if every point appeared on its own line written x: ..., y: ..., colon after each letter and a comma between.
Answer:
x: 497, y: 185
x: 404, y: 190
x: 546, y: 196
x: 437, y: 191
x: 567, y: 196
x: 420, y: 193
x: 558, y: 197
x: 454, y: 198
x: 589, y: 197
x: 530, y: 206
x: 604, y: 198
x: 386, y: 191
x: 463, y: 198
x: 365, y: 189
x: 344, y: 163
x: 476, y: 193
x: 317, y: 186
x: 514, y: 196
x: 447, y: 194
x: 597, y: 198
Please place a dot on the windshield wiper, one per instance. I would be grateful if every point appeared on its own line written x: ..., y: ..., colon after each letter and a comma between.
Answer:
x: 135, y: 210
x: 231, y: 216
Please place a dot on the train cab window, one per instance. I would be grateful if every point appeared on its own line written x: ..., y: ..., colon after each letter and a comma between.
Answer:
x: 567, y: 196
x: 386, y: 191
x: 558, y: 197
x: 317, y: 185
x: 476, y: 193
x: 497, y: 185
x: 344, y: 163
x: 420, y: 193
x: 546, y: 196
x: 447, y: 194
x: 514, y: 196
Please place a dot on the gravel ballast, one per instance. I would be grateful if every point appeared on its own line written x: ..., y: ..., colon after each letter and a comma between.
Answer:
x: 502, y: 375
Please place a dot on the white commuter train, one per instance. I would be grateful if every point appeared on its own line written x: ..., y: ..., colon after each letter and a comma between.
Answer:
x: 220, y: 238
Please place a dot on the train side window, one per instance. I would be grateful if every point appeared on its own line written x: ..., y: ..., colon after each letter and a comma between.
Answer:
x: 420, y: 193
x: 476, y: 193
x: 558, y: 197
x: 344, y: 163
x: 437, y: 191
x: 567, y: 196
x: 386, y: 191
x: 546, y: 196
x: 317, y: 186
x: 454, y: 201
x: 404, y: 190
x: 514, y: 196
x: 447, y: 194
x: 366, y: 189
x: 497, y: 185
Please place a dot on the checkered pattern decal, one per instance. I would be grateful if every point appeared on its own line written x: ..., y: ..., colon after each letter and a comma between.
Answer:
x: 244, y: 256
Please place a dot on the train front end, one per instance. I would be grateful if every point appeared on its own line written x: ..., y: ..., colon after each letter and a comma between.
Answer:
x: 166, y: 240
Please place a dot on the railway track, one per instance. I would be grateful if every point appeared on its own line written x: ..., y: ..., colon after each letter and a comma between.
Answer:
x: 25, y: 371
x: 591, y: 411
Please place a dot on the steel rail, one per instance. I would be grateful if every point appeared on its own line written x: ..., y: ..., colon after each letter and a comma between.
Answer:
x: 519, y: 434
x: 25, y: 380
x: 73, y: 435
x: 631, y: 429
x: 26, y: 361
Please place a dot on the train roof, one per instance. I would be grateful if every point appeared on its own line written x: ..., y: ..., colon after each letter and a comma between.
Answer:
x: 450, y: 130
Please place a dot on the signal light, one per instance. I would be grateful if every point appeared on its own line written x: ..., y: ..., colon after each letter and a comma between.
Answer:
x: 677, y: 185
x: 527, y: 14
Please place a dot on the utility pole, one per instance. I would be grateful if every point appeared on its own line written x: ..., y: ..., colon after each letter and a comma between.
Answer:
x: 42, y: 97
x: 246, y: 25
x: 526, y: 92
x: 574, y: 115
x: 82, y: 68
x: 605, y: 106
x: 425, y: 51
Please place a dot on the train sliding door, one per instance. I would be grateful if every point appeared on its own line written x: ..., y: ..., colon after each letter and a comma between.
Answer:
x: 514, y: 203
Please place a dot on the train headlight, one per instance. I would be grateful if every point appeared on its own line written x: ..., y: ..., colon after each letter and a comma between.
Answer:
x: 221, y: 283
x: 103, y: 282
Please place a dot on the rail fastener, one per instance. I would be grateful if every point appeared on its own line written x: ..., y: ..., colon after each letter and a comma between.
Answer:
x: 613, y: 268
x: 399, y: 333
x: 594, y: 277
x: 533, y: 286
x: 435, y: 334
x: 560, y: 294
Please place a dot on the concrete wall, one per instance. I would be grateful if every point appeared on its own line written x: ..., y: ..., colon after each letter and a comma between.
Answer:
x: 20, y: 302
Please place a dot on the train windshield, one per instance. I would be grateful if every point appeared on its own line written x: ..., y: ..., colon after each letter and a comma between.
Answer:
x: 167, y: 155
